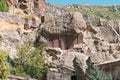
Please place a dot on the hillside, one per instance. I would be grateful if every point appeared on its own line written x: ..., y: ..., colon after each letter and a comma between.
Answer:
x: 94, y: 12
x: 76, y: 37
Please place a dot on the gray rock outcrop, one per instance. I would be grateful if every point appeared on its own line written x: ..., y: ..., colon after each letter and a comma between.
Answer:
x: 13, y: 39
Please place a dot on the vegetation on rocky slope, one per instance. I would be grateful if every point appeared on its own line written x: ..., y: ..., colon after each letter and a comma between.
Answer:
x: 29, y: 62
x: 98, y: 74
x: 105, y: 12
x: 101, y: 14
x: 3, y: 68
x: 3, y: 6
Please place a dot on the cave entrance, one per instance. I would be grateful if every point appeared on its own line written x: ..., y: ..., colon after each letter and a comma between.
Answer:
x: 73, y: 77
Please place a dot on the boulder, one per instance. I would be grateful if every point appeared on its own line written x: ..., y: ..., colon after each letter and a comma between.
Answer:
x: 78, y: 22
x: 70, y: 21
x: 80, y: 60
x: 71, y: 58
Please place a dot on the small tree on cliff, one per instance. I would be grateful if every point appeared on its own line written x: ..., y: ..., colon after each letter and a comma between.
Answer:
x: 98, y: 74
x: 29, y: 62
x: 3, y: 6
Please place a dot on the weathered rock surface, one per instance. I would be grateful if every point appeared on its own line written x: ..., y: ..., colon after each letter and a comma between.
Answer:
x: 100, y: 43
x: 36, y: 7
x: 68, y: 21
x: 13, y: 39
x: 12, y: 18
x: 55, y: 10
x: 69, y: 62
x: 101, y: 57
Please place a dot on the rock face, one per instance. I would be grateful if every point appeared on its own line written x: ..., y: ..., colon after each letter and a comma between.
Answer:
x: 39, y: 7
x: 13, y: 39
x: 54, y: 10
x: 100, y: 43
x: 55, y: 30
x: 70, y: 64
x: 71, y: 41
x: 36, y: 7
x: 68, y: 21
x: 12, y: 18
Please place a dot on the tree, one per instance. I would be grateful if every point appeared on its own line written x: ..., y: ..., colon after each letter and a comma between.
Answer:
x: 3, y: 6
x: 3, y: 68
x: 97, y: 74
x: 30, y: 62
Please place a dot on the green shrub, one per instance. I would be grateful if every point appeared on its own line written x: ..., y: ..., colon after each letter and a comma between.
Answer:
x: 3, y: 68
x: 29, y: 62
x: 95, y: 23
x: 97, y: 74
x: 3, y: 6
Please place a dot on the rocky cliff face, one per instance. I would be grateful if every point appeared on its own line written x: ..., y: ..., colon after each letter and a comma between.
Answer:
x: 28, y: 7
x: 71, y: 40
x: 100, y: 43
x: 13, y: 38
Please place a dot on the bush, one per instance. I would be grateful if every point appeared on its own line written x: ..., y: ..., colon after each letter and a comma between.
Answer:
x: 3, y: 68
x: 98, y: 74
x: 95, y: 22
x: 3, y: 6
x: 29, y: 62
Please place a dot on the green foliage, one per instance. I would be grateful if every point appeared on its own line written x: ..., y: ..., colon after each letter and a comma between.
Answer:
x: 3, y: 68
x: 104, y: 14
x: 30, y: 62
x: 98, y: 74
x: 95, y: 22
x: 3, y: 6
